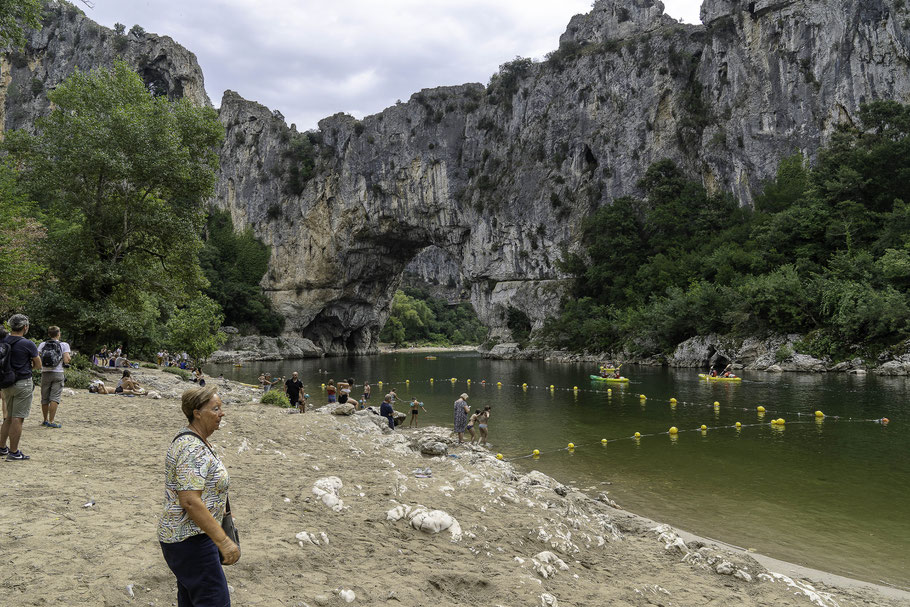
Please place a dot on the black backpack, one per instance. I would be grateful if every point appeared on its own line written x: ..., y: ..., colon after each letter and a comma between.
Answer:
x: 51, y: 354
x: 7, y: 376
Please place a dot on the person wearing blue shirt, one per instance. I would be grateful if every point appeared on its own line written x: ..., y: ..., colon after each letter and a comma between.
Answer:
x: 18, y: 396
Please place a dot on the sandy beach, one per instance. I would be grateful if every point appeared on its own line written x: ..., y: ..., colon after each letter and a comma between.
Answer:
x: 333, y: 507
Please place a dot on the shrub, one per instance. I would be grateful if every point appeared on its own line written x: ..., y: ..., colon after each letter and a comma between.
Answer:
x: 148, y: 365
x: 79, y: 379
x: 183, y: 373
x: 275, y: 397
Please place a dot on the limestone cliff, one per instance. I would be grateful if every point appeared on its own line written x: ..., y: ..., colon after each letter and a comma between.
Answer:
x: 69, y: 41
x: 495, y: 180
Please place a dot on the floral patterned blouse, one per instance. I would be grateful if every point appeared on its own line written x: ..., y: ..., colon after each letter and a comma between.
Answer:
x: 190, y: 466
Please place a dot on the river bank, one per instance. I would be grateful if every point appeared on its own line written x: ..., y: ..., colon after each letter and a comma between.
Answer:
x: 774, y: 354
x: 509, y: 536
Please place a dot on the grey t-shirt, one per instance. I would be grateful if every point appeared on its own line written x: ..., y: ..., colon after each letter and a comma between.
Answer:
x: 64, y: 347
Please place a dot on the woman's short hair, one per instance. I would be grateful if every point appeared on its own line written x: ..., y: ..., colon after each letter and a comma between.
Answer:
x: 196, y: 398
x: 464, y: 396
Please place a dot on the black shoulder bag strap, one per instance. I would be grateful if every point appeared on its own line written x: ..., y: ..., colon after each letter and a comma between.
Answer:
x: 227, y: 500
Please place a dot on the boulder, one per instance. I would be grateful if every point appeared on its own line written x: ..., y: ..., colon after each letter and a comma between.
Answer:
x: 344, y: 409
x: 434, y: 448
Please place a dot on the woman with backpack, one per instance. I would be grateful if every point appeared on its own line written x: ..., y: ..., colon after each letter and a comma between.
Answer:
x: 54, y: 354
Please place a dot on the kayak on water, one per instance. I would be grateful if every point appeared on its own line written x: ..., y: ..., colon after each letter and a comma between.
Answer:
x: 612, y: 379
x: 718, y: 378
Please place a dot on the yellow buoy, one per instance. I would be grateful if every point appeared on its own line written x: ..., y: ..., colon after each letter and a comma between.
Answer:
x: 638, y: 435
x: 739, y: 425
x: 323, y: 386
x: 609, y: 391
x: 380, y: 383
x: 571, y: 445
x: 499, y: 384
x: 819, y: 414
x: 407, y: 381
x: 536, y: 451
x: 454, y: 379
x: 499, y: 456
x: 761, y: 409
x: 575, y: 388
x: 642, y: 396
x: 469, y: 381
x: 674, y: 430
x: 703, y: 427
x: 672, y: 401
x: 552, y: 387
x: 603, y: 441
x: 781, y: 421
x: 524, y: 385
x: 716, y: 404
x: 431, y: 380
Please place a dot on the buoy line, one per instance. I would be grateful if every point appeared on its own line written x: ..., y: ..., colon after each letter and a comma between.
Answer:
x: 673, y: 432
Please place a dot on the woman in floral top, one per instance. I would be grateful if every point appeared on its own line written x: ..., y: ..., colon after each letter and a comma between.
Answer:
x: 195, y: 497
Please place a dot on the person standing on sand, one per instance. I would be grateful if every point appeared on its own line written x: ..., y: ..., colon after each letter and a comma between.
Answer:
x: 461, y: 416
x: 387, y: 411
x: 414, y: 405
x: 17, y: 387
x: 195, y: 503
x: 54, y: 355
x: 293, y: 387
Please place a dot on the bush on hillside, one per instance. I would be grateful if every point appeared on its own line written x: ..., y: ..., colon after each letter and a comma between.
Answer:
x: 274, y: 397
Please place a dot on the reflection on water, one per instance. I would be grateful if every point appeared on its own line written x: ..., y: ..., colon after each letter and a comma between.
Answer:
x: 826, y: 493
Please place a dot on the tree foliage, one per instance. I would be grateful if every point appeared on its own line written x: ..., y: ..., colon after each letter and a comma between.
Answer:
x: 234, y: 264
x: 21, y: 239
x: 15, y: 17
x: 826, y: 252
x: 120, y: 177
x: 194, y: 328
x: 417, y: 317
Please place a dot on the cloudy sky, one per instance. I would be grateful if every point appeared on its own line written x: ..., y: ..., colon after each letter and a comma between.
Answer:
x: 313, y: 58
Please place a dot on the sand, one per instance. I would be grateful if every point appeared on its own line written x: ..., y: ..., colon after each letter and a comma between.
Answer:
x: 520, y: 539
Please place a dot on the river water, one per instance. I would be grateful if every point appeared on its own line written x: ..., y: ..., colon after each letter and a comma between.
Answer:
x: 830, y: 494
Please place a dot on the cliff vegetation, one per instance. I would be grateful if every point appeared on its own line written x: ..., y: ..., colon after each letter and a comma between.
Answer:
x: 825, y: 252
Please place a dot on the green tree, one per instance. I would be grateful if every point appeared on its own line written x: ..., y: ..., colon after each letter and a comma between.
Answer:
x: 21, y: 238
x: 194, y: 328
x: 15, y: 17
x: 233, y: 263
x: 121, y: 176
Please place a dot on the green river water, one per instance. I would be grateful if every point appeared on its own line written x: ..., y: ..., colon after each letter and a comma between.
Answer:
x: 830, y: 495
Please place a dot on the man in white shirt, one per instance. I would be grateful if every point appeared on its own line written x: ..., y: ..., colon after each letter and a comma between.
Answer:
x: 54, y: 354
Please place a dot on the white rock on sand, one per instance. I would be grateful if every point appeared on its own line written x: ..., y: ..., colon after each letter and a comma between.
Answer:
x: 326, y: 489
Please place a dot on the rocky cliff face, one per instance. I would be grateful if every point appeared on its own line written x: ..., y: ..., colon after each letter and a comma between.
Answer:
x: 69, y: 41
x: 496, y: 180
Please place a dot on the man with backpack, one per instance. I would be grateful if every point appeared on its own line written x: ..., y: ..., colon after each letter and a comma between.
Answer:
x: 18, y: 356
x: 54, y: 354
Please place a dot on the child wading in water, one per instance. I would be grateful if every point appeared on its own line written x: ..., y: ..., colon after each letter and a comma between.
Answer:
x: 473, y: 422
x: 414, y: 405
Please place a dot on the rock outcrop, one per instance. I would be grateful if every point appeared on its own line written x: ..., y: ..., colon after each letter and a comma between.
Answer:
x: 496, y: 180
x: 255, y: 347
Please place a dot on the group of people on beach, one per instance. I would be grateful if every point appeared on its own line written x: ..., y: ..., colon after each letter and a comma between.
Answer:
x: 19, y: 357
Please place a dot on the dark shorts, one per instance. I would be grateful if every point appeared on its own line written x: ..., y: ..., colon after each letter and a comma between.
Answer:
x: 294, y: 398
x: 200, y: 576
x: 413, y: 411
x: 366, y: 396
x: 343, y: 398
x: 331, y: 398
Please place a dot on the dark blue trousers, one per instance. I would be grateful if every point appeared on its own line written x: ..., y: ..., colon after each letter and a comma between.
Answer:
x: 200, y: 576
